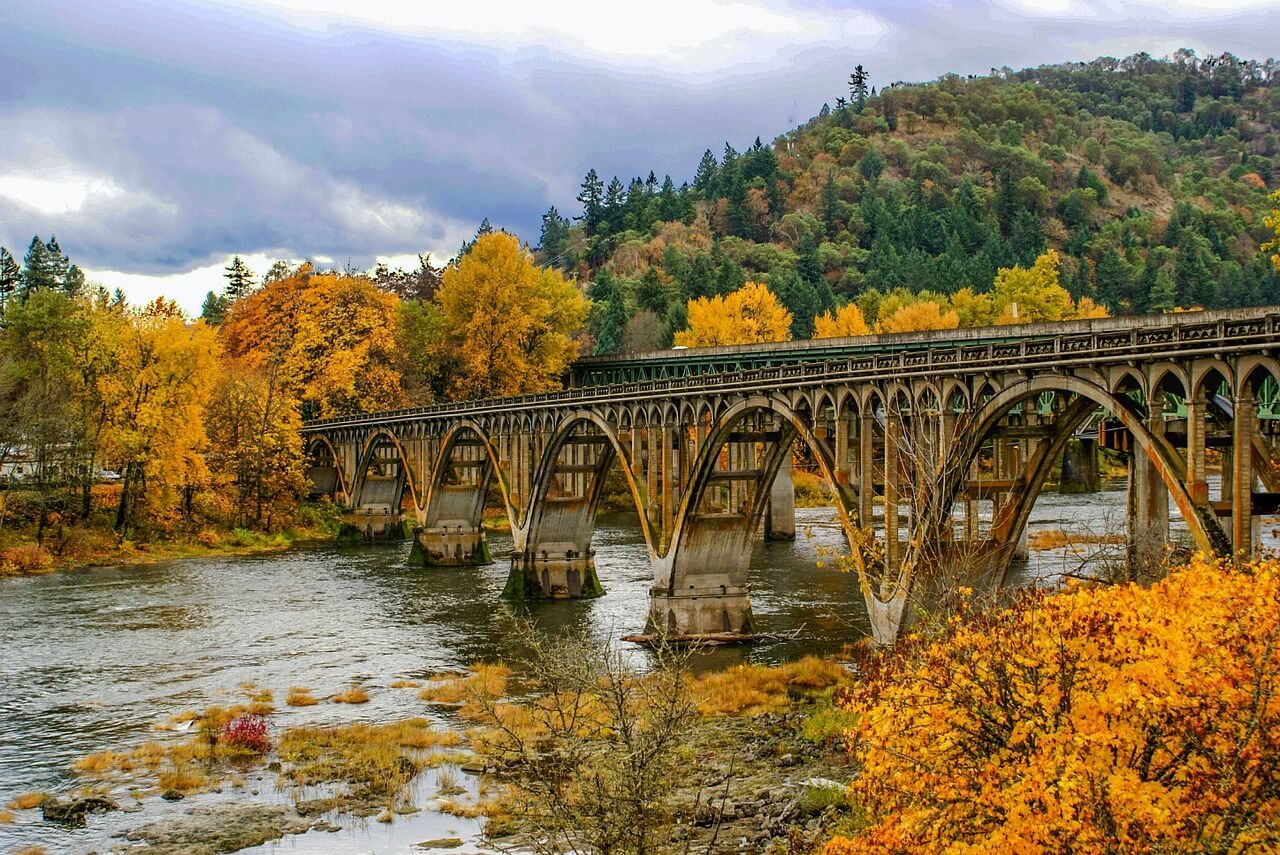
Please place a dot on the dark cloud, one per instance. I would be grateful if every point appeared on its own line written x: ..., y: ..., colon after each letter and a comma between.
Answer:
x: 203, y: 131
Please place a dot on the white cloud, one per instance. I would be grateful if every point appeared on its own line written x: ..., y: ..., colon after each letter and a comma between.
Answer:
x: 1130, y: 9
x: 57, y: 191
x: 692, y: 33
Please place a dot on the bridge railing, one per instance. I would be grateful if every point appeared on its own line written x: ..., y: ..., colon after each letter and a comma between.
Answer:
x: 1179, y: 334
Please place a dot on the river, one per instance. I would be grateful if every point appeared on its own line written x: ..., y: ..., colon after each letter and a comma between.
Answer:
x: 94, y: 659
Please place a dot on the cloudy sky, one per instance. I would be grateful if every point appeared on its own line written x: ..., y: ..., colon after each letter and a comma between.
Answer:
x: 157, y: 137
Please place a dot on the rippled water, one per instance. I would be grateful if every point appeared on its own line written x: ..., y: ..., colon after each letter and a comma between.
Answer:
x: 93, y: 659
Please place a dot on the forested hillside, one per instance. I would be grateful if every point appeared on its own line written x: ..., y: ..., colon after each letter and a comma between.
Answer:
x: 1149, y: 177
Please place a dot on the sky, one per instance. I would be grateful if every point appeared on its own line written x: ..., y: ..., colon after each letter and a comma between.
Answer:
x: 155, y: 138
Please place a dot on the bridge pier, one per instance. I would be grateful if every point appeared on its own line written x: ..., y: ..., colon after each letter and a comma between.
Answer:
x: 780, y: 515
x: 370, y: 524
x: 450, y: 544
x: 556, y: 573
x: 706, y: 613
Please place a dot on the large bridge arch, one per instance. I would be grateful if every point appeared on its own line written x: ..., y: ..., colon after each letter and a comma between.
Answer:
x: 376, y: 499
x: 1167, y: 464
x: 700, y: 585
x: 326, y: 469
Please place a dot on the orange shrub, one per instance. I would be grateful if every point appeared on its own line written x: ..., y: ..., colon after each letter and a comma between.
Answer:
x: 1117, y: 719
x: 21, y: 560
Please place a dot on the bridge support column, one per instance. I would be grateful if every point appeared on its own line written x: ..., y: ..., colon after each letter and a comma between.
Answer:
x: 701, y: 612
x: 1243, y: 428
x: 780, y: 516
x: 1148, y: 511
x: 559, y: 574
x: 1197, y: 485
x: 866, y: 470
x: 892, y: 546
x: 446, y: 545
x: 1080, y: 467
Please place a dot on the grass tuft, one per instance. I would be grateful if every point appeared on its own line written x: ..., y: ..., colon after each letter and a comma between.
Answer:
x: 354, y: 695
x: 27, y: 801
x: 300, y: 696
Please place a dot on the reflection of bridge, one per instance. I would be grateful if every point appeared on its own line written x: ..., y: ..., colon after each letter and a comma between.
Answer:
x: 936, y: 444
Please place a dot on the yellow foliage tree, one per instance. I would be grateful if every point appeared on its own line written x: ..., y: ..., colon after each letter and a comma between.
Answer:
x: 155, y: 400
x: 1024, y: 295
x: 508, y: 322
x: 332, y: 338
x: 918, y: 317
x: 847, y: 321
x: 1084, y: 721
x: 1273, y: 222
x: 750, y: 315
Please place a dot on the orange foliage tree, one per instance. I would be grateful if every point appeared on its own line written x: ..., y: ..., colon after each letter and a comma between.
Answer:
x: 847, y: 321
x: 1122, y: 719
x: 507, y: 322
x: 1273, y: 222
x: 749, y: 315
x: 332, y: 338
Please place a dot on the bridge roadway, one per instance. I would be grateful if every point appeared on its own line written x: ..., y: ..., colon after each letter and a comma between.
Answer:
x: 935, y: 445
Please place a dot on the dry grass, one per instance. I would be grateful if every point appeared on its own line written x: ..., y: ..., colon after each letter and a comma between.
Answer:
x: 27, y: 801
x: 1056, y: 538
x: 184, y: 777
x: 482, y: 679
x: 300, y: 696
x: 31, y: 850
x: 379, y: 759
x: 759, y: 688
x: 263, y: 708
x: 405, y: 684
x: 102, y: 762
x: 353, y: 695
x: 7, y: 816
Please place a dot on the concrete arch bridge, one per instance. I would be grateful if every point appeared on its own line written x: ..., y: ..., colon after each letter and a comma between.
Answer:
x: 936, y: 446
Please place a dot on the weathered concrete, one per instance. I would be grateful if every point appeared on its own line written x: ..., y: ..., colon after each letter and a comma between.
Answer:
x: 1080, y: 467
x: 780, y: 516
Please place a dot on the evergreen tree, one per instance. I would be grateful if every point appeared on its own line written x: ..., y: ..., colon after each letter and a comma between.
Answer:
x: 830, y: 203
x: 602, y: 288
x: 636, y: 215
x: 612, y: 326
x: 214, y: 309
x: 801, y: 300
x: 650, y: 294
x: 37, y: 268
x: 239, y: 279
x: 1163, y: 293
x: 592, y: 199
x: 1027, y: 237
x: 808, y: 263
x: 871, y: 165
x: 704, y: 180
x: 668, y: 201
x: 614, y: 207
x: 1115, y: 280
x: 279, y: 270
x: 858, y: 87
x: 59, y: 264
x: 1085, y: 178
x: 10, y: 278
x: 553, y: 238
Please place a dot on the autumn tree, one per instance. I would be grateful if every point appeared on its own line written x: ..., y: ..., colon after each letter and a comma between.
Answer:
x: 155, y: 404
x: 847, y: 321
x: 1033, y: 294
x: 749, y: 315
x: 508, y: 323
x: 919, y: 316
x: 333, y: 336
x: 1273, y: 223
x: 255, y: 443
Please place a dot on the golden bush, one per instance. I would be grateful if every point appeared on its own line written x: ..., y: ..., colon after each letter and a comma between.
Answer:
x: 1116, y: 719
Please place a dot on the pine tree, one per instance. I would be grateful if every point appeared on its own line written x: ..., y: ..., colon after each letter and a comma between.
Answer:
x: 214, y: 309
x: 614, y: 206
x: 36, y: 270
x: 592, y: 199
x: 858, y: 87
x: 668, y: 201
x: 704, y: 179
x: 830, y: 205
x: 239, y: 279
x: 10, y: 279
x: 612, y: 326
x: 1115, y: 280
x: 650, y: 294
x: 553, y: 237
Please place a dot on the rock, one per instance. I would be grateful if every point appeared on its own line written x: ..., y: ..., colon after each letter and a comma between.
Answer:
x: 822, y: 784
x: 473, y: 767
x: 274, y: 766
x: 72, y: 810
x: 440, y: 843
x: 787, y: 760
x: 172, y: 795
x: 219, y: 828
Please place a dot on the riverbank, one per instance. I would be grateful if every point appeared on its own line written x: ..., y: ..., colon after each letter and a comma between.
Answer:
x: 78, y: 546
x: 764, y: 755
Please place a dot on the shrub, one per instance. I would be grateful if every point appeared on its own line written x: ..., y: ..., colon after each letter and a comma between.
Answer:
x: 1120, y: 719
x: 24, y: 560
x: 247, y: 733
x: 354, y: 695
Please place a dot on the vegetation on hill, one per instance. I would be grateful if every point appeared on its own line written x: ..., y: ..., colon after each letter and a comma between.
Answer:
x: 1148, y: 177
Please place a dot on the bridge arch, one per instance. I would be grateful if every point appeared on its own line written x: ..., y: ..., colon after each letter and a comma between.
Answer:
x: 319, y: 442
x: 1168, y: 465
x: 700, y: 584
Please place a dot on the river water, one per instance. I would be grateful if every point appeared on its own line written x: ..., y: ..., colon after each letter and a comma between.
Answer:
x: 94, y: 659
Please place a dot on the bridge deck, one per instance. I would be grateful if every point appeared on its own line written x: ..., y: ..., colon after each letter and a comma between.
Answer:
x: 762, y: 367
